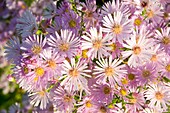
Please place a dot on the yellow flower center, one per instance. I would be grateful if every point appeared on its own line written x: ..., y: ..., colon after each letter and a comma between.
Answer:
x: 150, y: 14
x: 159, y: 95
x: 67, y: 98
x: 154, y: 58
x: 39, y: 71
x: 113, y: 46
x: 41, y: 93
x: 88, y: 104
x: 131, y: 76
x: 146, y: 73
x: 64, y: 47
x: 136, y: 50
x: 168, y: 67
x: 72, y: 23
x: 109, y: 71
x: 166, y: 40
x: 52, y: 64
x: 84, y: 53
x: 123, y: 92
x: 124, y: 81
x: 97, y: 44
x: 74, y: 72
x: 137, y: 22
x: 133, y: 100
x: 106, y: 90
x: 117, y: 29
x: 36, y: 49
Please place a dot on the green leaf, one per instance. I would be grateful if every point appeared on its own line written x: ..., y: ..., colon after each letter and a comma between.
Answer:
x: 28, y: 2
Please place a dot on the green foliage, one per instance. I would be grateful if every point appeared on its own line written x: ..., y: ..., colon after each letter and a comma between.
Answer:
x: 28, y: 2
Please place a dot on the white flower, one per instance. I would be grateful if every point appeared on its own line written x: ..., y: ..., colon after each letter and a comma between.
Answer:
x: 75, y: 75
x: 96, y: 43
x: 109, y: 69
x: 39, y: 97
x: 159, y: 96
x: 140, y: 50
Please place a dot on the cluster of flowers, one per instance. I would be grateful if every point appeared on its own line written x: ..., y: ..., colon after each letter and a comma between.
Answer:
x: 79, y: 57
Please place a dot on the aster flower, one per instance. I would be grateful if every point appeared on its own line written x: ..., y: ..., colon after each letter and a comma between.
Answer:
x: 53, y: 62
x: 88, y: 105
x: 63, y: 99
x: 65, y: 44
x: 74, y: 79
x: 102, y: 93
x: 118, y: 25
x: 26, y: 25
x: 146, y: 73
x: 111, y: 7
x: 139, y: 50
x: 13, y: 51
x: 96, y: 43
x: 49, y: 11
x: 90, y: 16
x: 111, y: 70
x: 136, y: 102
x: 71, y: 21
x: 39, y: 97
x: 33, y: 45
x: 163, y: 38
x: 154, y: 13
x: 159, y: 96
x: 165, y: 69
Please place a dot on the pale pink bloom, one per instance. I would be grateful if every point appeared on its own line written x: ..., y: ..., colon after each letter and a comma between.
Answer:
x: 118, y: 25
x: 137, y: 101
x: 53, y: 62
x: 163, y: 38
x: 76, y: 72
x: 65, y: 43
x: 88, y: 105
x: 139, y: 50
x: 111, y: 7
x: 39, y: 97
x: 158, y: 95
x: 154, y: 13
x: 165, y: 69
x: 62, y: 99
x: 109, y: 69
x: 96, y: 43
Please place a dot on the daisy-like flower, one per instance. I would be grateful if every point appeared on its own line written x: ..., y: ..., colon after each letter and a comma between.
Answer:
x: 26, y: 25
x: 111, y: 70
x: 88, y: 105
x: 158, y: 95
x: 111, y: 7
x: 154, y: 13
x: 63, y: 99
x: 146, y: 73
x: 39, y: 97
x: 32, y: 46
x: 136, y: 102
x: 12, y: 50
x: 139, y: 50
x: 163, y: 38
x: 76, y: 72
x: 96, y: 43
x: 71, y: 21
x: 65, y: 44
x: 165, y: 69
x: 102, y: 93
x: 53, y: 62
x: 118, y: 25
